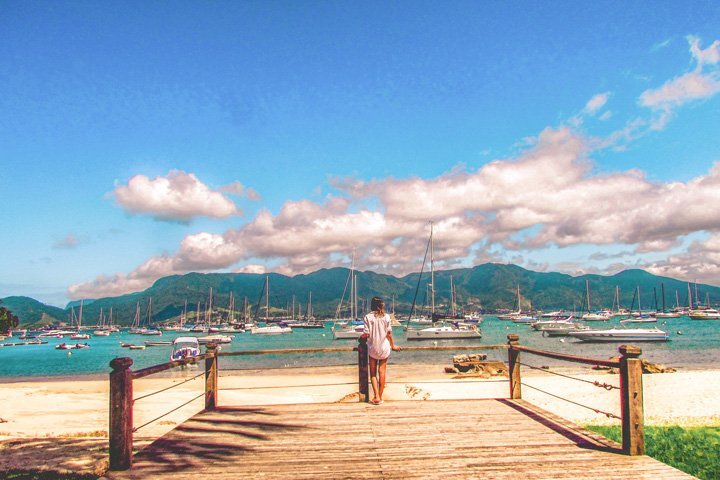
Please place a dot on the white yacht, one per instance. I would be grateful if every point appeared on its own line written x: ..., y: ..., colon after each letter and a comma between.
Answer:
x: 444, y: 331
x: 622, y: 335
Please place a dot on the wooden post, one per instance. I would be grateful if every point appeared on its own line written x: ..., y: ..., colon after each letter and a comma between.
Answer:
x: 631, y: 400
x: 211, y: 377
x: 363, y: 369
x: 121, y: 414
x: 514, y: 366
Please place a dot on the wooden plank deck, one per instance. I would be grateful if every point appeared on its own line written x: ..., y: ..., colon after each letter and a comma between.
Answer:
x: 449, y: 439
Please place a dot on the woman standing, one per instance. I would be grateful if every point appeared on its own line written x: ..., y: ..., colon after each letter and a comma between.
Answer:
x: 380, y: 343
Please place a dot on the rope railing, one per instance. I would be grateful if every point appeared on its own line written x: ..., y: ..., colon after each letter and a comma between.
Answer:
x: 167, y: 413
x: 607, y: 414
x: 631, y: 392
x: 604, y: 385
x: 289, y: 367
x: 168, y: 388
x: 305, y: 385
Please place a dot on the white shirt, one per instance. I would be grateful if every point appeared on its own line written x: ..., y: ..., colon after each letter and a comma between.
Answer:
x: 377, y: 328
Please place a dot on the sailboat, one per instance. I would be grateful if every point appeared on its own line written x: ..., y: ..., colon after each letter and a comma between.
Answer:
x: 518, y: 310
x: 354, y: 327
x: 639, y: 316
x: 275, y: 329
x: 135, y: 327
x: 590, y: 316
x: 444, y: 330
x: 664, y: 313
x: 310, y: 321
x: 151, y: 330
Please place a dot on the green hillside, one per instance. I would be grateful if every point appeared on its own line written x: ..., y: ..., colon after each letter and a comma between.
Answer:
x: 32, y: 312
x: 488, y: 286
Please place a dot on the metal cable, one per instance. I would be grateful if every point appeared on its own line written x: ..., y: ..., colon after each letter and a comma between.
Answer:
x: 168, y: 413
x: 604, y: 385
x: 168, y: 388
x: 607, y: 414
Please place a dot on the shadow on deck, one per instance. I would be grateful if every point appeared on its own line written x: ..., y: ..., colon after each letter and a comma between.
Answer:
x: 449, y: 439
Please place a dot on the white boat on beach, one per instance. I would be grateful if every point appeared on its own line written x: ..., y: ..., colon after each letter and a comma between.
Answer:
x: 622, y: 335
x: 184, y: 347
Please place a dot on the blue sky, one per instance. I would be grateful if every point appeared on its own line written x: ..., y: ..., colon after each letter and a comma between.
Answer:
x: 144, y: 139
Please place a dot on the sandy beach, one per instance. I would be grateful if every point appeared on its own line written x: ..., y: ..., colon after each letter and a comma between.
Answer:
x: 62, y: 424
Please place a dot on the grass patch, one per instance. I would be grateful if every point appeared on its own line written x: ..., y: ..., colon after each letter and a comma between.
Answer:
x: 694, y: 450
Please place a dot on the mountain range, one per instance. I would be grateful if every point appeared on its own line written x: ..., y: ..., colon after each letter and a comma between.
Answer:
x: 488, y: 287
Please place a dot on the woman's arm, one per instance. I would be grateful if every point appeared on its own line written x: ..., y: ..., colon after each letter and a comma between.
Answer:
x: 390, y: 339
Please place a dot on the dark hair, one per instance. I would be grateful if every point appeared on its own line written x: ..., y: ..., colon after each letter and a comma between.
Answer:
x: 377, y: 304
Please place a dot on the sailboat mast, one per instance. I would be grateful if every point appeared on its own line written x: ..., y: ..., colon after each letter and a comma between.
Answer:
x: 452, y: 296
x: 587, y: 292
x: 267, y: 297
x: 80, y: 315
x: 432, y: 274
x: 662, y: 289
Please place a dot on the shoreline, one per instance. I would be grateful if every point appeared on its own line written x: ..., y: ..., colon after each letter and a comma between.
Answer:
x: 564, y: 367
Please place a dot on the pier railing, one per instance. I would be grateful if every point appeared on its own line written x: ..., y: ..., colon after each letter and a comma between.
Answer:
x: 629, y: 367
x: 121, y: 428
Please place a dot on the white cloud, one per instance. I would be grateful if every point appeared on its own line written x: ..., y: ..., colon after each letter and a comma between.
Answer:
x: 700, y: 262
x: 680, y: 90
x: 240, y: 190
x: 597, y: 102
x: 178, y: 197
x: 548, y: 194
x: 690, y: 86
x: 709, y: 56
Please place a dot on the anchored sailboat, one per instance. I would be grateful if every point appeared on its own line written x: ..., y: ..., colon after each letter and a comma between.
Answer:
x: 443, y: 329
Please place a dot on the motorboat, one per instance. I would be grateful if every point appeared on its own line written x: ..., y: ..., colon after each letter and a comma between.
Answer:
x: 275, y: 329
x: 66, y: 346
x: 524, y: 318
x: 156, y: 344
x: 644, y: 318
x: 560, y: 330
x: 216, y: 339
x: 602, y: 316
x: 101, y: 333
x: 184, y: 347
x: 622, y: 335
x: 79, y: 336
x: 704, y: 314
x: 348, y: 332
x: 541, y: 325
x: 457, y: 330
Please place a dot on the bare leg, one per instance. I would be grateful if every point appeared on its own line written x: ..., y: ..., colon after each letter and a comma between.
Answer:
x: 374, y: 379
x: 382, y: 368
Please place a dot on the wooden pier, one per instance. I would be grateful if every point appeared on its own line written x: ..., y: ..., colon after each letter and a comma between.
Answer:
x: 446, y: 439
x: 450, y: 439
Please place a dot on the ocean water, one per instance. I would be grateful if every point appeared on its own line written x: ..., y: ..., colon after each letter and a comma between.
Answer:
x: 694, y: 344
